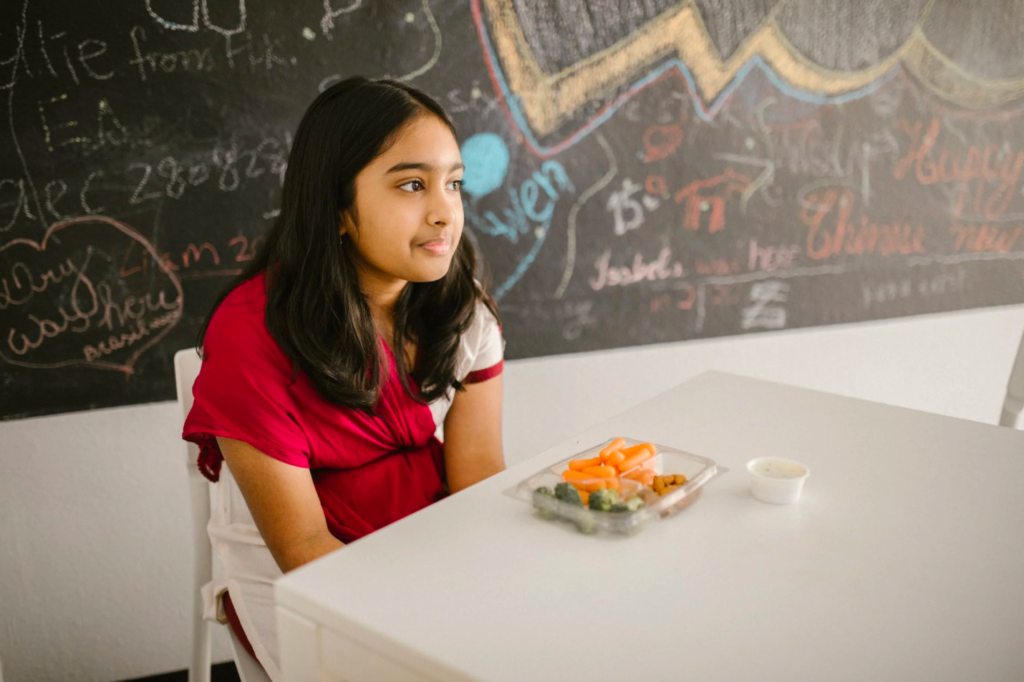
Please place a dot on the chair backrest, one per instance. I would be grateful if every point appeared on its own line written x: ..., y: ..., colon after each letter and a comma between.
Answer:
x: 1014, y: 403
x: 186, y: 368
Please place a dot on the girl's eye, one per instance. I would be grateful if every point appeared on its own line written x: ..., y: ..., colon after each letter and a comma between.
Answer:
x: 412, y: 186
x: 455, y: 185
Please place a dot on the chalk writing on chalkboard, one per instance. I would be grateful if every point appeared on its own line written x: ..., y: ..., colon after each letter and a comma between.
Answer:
x: 68, y: 299
x: 637, y: 172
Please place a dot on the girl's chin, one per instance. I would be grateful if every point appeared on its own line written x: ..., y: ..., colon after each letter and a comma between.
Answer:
x: 429, y: 274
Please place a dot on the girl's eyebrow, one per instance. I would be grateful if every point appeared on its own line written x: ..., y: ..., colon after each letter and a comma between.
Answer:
x: 426, y: 167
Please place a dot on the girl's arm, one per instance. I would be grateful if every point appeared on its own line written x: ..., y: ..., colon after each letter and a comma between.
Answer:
x: 283, y: 503
x: 472, y: 434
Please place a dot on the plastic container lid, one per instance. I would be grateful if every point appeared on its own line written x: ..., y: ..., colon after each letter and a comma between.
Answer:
x: 698, y: 471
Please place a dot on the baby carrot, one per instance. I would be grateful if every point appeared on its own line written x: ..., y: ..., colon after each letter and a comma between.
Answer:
x: 635, y: 449
x: 614, y: 446
x: 585, y: 496
x: 579, y: 464
x: 570, y: 475
x: 637, y: 459
x: 615, y: 459
x: 586, y: 482
x: 642, y: 476
x: 600, y: 471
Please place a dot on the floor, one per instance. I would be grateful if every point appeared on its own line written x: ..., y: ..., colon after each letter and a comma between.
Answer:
x: 221, y: 672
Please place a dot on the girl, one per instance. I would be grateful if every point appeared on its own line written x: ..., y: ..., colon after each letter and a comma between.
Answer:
x: 357, y: 333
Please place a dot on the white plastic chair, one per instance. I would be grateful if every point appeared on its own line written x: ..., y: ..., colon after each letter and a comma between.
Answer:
x: 186, y: 369
x: 1013, y: 406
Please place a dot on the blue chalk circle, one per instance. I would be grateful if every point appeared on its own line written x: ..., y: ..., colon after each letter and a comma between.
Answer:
x: 486, y: 159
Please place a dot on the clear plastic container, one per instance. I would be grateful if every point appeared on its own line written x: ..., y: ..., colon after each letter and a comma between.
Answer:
x: 697, y: 470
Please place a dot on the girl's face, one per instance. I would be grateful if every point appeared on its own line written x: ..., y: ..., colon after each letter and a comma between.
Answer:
x: 408, y: 208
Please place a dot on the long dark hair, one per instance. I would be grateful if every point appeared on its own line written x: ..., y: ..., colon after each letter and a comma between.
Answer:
x: 315, y: 309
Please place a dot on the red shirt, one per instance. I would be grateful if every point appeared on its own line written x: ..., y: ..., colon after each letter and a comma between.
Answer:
x: 368, y: 470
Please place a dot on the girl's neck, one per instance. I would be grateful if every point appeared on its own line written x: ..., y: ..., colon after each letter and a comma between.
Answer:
x: 381, y: 294
x: 382, y: 308
x: 382, y: 298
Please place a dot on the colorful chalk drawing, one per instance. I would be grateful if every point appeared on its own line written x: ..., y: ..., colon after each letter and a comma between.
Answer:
x: 531, y: 205
x: 539, y: 103
x: 529, y: 213
x: 486, y: 159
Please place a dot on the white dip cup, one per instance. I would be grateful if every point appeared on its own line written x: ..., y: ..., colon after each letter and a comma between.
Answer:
x: 777, y: 480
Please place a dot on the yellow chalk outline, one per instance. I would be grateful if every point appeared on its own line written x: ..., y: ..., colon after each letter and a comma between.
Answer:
x: 548, y: 100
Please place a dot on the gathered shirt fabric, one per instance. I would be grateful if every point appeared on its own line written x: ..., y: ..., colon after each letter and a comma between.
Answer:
x: 368, y: 470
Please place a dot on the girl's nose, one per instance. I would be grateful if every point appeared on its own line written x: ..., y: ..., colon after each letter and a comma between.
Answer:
x: 441, y: 211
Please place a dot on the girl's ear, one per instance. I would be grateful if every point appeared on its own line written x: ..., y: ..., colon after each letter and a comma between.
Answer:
x: 344, y: 223
x: 347, y: 224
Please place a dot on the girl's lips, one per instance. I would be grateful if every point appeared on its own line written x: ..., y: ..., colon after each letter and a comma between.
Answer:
x: 438, y: 247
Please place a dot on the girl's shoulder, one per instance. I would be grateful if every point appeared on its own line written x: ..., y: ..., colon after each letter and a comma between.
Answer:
x: 239, y: 325
x: 481, y: 346
x: 483, y: 324
x: 246, y: 301
x: 483, y: 318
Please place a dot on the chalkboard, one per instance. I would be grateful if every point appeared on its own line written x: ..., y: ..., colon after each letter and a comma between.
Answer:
x: 637, y: 171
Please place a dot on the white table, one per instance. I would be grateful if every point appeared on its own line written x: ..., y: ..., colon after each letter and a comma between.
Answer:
x: 903, y: 561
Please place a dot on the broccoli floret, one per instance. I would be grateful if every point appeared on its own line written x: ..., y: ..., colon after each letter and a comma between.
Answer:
x: 544, y: 502
x: 603, y: 499
x: 630, y: 505
x: 567, y: 493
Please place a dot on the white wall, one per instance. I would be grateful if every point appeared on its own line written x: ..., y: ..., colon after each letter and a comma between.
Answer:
x: 94, y: 547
